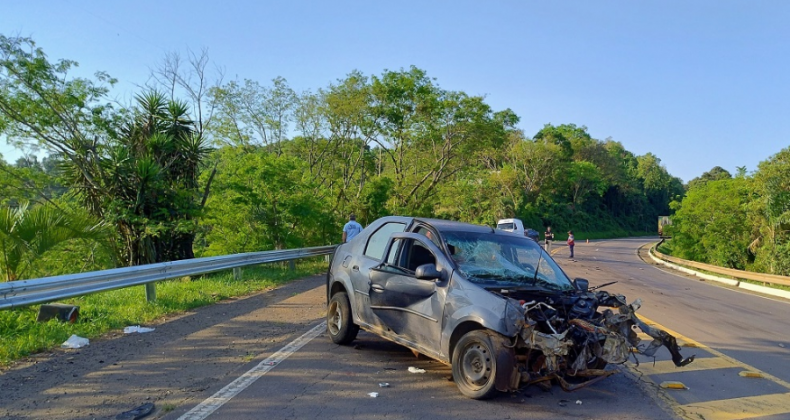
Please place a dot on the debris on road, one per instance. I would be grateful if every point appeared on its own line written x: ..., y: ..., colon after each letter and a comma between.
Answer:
x: 136, y: 413
x: 137, y: 329
x: 384, y: 385
x: 373, y: 394
x: 673, y: 385
x: 75, y: 342
x: 413, y: 369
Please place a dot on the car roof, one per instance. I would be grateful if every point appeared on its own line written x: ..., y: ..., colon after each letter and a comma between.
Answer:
x: 448, y: 225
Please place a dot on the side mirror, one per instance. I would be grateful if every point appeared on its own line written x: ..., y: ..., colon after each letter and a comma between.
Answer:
x: 428, y: 272
x: 581, y: 284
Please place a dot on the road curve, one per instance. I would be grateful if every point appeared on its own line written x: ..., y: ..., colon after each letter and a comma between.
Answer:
x: 731, y: 330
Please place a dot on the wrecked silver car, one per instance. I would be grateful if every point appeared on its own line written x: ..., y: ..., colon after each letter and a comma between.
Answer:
x: 492, y: 304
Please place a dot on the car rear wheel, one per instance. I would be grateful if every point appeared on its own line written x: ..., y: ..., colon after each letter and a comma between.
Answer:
x: 339, y: 323
x: 474, y: 365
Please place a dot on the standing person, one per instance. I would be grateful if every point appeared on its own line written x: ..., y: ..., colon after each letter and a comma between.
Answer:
x: 351, y: 229
x: 571, y: 242
x: 548, y: 236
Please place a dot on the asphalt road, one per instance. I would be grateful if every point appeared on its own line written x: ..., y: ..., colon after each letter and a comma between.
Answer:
x: 730, y: 331
x: 226, y: 358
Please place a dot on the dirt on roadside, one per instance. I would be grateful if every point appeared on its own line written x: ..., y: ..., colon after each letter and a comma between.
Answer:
x: 185, y: 359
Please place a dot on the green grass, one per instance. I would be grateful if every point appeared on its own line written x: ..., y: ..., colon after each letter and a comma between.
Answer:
x: 103, y: 312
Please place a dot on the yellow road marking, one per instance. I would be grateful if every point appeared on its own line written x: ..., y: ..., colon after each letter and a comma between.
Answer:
x: 739, y: 408
x: 666, y: 366
x: 718, y: 354
x: 725, y: 409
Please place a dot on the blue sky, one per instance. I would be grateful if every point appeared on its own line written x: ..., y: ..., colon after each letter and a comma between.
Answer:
x: 699, y: 84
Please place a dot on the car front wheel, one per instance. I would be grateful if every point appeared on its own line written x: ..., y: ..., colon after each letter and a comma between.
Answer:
x: 474, y: 365
x: 339, y: 324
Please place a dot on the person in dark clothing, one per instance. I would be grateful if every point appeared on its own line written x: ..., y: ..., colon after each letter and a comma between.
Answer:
x: 548, y: 236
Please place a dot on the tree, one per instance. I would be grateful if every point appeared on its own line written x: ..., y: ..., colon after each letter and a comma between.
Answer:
x: 584, y: 178
x: 27, y: 233
x: 263, y: 201
x: 136, y: 169
x: 714, y: 174
x: 153, y: 195
x: 770, y: 214
x: 708, y: 225
x: 529, y: 166
x: 252, y: 114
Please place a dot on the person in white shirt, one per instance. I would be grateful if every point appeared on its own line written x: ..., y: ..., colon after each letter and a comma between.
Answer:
x: 351, y: 229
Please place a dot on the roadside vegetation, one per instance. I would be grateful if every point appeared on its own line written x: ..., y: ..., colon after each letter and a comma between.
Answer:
x: 196, y: 165
x: 740, y: 221
x: 113, y: 310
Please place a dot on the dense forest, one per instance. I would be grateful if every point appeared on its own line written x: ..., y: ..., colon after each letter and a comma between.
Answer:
x: 197, y: 166
x: 740, y: 221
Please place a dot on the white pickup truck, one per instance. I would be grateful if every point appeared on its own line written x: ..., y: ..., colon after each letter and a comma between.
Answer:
x: 517, y: 226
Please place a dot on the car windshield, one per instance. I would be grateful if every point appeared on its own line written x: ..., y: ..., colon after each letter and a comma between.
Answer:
x: 492, y: 260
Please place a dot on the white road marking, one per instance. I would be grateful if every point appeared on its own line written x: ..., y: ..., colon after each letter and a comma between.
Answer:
x: 211, y: 404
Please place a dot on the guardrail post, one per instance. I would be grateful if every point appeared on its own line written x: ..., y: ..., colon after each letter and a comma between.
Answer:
x: 237, y: 273
x: 291, y: 265
x: 150, y: 292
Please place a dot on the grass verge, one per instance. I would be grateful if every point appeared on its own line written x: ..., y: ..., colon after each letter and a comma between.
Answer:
x: 107, y: 311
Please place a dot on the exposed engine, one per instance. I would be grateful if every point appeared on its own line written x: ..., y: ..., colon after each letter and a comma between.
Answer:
x: 564, y: 337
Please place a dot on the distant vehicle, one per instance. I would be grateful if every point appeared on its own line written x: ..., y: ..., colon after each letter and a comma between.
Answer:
x: 517, y: 226
x: 663, y: 221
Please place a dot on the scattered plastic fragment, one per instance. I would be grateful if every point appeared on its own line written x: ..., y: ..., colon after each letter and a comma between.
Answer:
x: 384, y: 385
x: 750, y: 374
x: 781, y: 345
x: 373, y: 394
x: 75, y: 342
x: 563, y: 403
x: 673, y: 385
x: 136, y: 413
x: 578, y: 402
x: 137, y: 329
x: 269, y: 363
x: 413, y: 369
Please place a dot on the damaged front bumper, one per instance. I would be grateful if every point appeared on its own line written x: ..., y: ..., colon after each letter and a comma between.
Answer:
x: 574, y: 353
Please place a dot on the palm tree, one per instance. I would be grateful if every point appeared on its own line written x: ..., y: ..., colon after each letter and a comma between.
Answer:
x: 27, y: 233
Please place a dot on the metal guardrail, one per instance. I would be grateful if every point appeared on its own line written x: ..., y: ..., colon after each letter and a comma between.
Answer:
x: 21, y: 293
x: 740, y: 274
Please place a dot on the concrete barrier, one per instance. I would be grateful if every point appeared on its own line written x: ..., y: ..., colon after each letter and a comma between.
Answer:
x: 731, y: 282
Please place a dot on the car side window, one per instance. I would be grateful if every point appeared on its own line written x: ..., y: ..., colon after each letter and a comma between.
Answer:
x: 413, y: 255
x: 378, y: 240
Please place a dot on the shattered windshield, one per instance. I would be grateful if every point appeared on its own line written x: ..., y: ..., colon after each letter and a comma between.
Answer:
x: 504, y: 261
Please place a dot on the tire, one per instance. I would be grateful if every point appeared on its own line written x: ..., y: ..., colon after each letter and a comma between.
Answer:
x: 339, y: 323
x: 474, y: 365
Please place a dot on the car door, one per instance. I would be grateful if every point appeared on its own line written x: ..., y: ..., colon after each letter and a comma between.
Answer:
x: 408, y: 306
x: 359, y: 265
